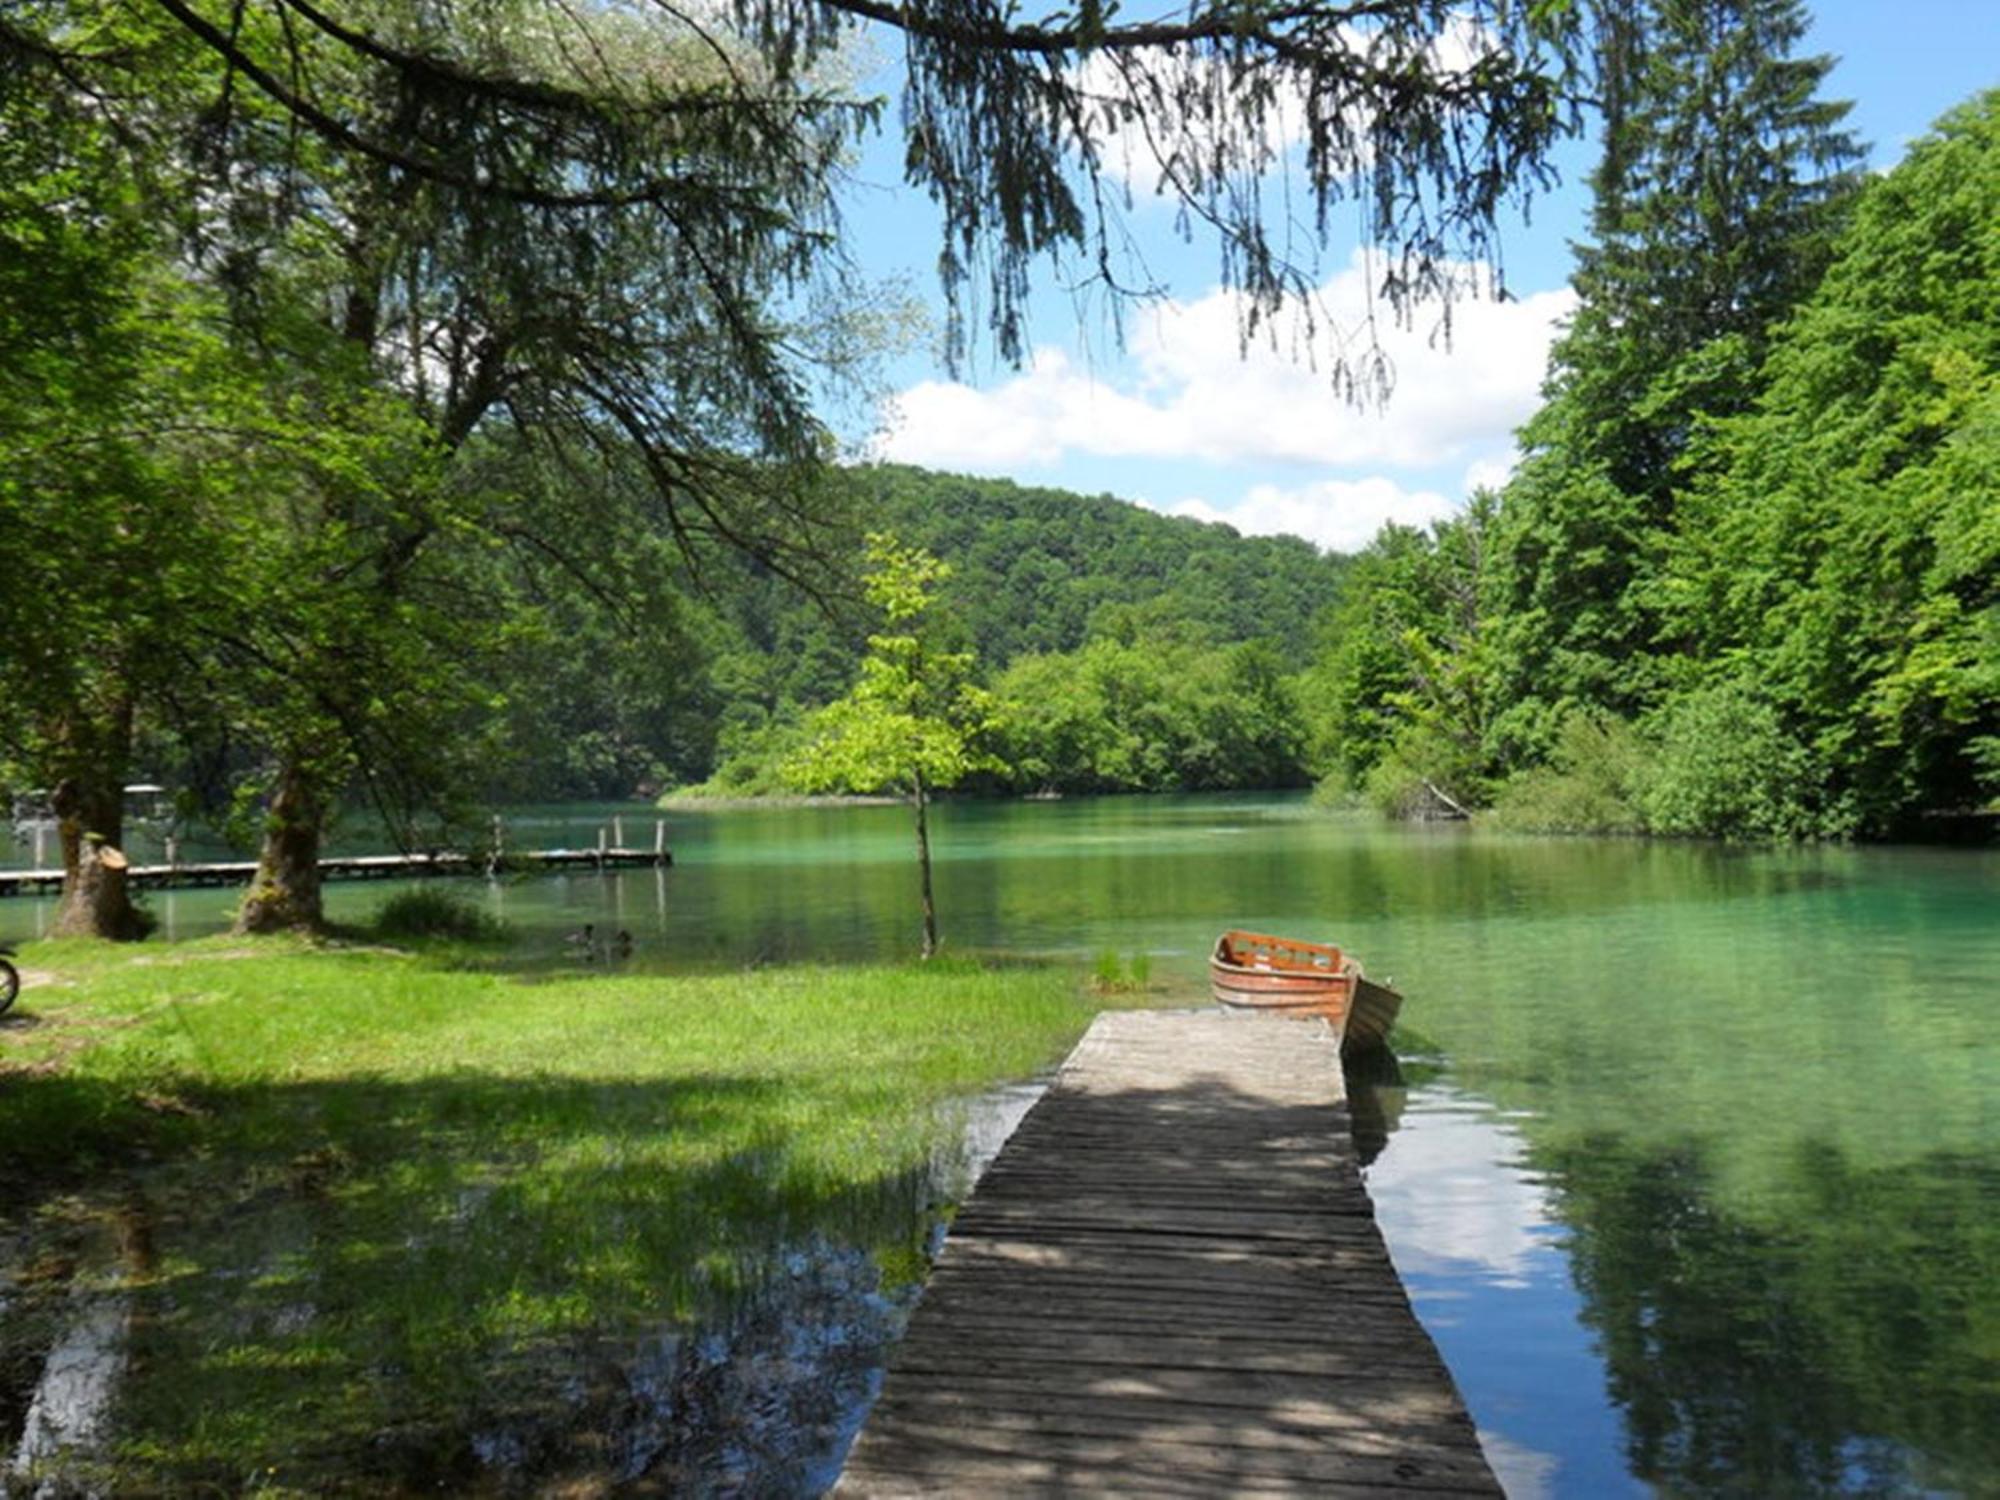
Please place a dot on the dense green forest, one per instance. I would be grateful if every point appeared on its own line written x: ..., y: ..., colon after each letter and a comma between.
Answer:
x: 1746, y: 581
x: 416, y: 402
x: 1130, y: 651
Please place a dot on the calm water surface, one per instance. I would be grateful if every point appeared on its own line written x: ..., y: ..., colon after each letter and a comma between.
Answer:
x: 1696, y: 1169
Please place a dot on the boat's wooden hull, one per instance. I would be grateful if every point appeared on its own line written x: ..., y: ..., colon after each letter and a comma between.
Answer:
x: 1305, y: 981
x: 1371, y: 1015
x: 1243, y: 988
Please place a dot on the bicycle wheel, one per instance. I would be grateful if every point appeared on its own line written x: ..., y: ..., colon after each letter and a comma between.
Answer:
x: 10, y: 985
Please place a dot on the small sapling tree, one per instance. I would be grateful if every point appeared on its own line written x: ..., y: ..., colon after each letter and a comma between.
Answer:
x: 914, y: 719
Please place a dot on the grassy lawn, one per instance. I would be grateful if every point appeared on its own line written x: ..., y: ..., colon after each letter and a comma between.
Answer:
x: 364, y: 1205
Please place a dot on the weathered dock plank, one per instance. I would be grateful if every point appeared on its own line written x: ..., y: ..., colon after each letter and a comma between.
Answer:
x: 1170, y: 1282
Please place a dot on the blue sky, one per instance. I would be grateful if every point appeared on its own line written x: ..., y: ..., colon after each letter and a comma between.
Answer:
x: 1175, y: 420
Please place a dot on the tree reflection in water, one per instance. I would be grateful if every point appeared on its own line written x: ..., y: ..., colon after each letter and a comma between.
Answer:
x: 1843, y: 1343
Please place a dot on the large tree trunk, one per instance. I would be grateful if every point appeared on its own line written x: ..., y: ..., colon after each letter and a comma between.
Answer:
x: 285, y: 895
x: 94, y: 747
x: 96, y: 903
x: 924, y: 866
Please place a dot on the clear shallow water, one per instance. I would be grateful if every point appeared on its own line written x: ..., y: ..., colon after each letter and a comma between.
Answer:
x: 1699, y: 1190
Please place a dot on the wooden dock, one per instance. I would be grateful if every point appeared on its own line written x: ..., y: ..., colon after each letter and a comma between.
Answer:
x: 182, y: 874
x: 1170, y: 1282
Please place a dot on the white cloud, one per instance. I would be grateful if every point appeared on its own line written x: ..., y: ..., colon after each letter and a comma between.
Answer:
x: 1033, y: 420
x: 1524, y: 1473
x: 1139, y: 130
x: 1491, y: 472
x: 1453, y: 1194
x: 1336, y: 513
x: 1190, y: 393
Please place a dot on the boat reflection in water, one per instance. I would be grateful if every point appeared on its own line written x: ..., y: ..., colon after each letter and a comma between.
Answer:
x: 1376, y: 1094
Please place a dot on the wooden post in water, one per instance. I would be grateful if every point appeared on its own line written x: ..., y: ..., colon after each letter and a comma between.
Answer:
x: 173, y: 860
x: 618, y: 831
x: 603, y: 844
x: 41, y: 839
x: 659, y: 841
x: 499, y: 851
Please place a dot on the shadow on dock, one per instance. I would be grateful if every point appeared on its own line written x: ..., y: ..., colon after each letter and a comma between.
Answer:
x: 1170, y: 1282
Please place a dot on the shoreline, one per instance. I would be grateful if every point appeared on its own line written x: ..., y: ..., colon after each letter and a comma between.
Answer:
x: 687, y: 802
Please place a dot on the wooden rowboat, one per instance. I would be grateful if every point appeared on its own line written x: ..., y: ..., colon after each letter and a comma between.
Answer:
x: 1254, y: 971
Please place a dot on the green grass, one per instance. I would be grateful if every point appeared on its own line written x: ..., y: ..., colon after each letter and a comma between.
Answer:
x: 1112, y: 976
x: 379, y: 1203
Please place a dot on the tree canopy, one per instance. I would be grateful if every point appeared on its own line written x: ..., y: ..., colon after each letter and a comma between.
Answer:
x: 914, y: 719
x: 1789, y: 629
x: 722, y: 126
x: 1722, y: 177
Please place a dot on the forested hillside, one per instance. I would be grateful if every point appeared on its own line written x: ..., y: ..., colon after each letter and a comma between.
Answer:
x: 1133, y: 651
x: 1036, y: 566
x: 1746, y: 581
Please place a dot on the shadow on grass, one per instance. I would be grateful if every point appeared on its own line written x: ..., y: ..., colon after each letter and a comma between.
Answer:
x: 370, y: 1286
x: 546, y: 962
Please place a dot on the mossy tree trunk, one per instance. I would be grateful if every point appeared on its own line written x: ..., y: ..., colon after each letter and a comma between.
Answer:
x: 284, y: 896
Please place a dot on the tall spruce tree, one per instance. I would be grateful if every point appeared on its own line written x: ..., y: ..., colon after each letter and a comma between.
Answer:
x: 1715, y: 205
x: 1723, y: 180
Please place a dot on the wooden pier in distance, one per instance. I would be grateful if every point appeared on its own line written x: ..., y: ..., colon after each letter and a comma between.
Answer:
x: 181, y: 875
x: 1170, y: 1282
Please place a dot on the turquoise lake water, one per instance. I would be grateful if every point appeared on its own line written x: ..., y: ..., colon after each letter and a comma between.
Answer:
x: 1695, y: 1167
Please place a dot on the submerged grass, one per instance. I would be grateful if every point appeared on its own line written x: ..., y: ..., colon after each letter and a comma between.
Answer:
x: 382, y: 1204
x: 1111, y: 975
x: 427, y: 911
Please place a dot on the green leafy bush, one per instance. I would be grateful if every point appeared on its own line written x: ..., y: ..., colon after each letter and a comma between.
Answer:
x: 425, y: 911
x: 1595, y: 781
x: 1426, y: 774
x: 1335, y: 792
x: 1727, y: 768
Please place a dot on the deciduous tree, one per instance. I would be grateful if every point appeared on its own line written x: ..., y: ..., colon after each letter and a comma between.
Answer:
x: 1844, y: 561
x: 119, y: 413
x: 915, y: 720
